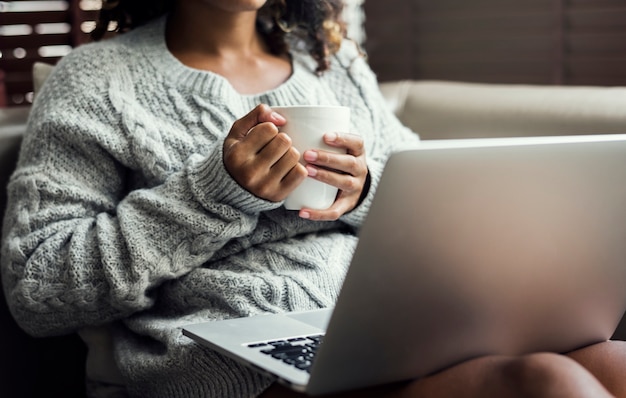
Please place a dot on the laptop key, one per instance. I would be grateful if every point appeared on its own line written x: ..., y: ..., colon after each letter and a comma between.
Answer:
x: 256, y: 345
x: 298, y: 352
x: 278, y: 343
x: 304, y: 365
x: 288, y: 354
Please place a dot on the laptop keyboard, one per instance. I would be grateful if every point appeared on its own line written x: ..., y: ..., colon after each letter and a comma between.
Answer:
x: 298, y: 351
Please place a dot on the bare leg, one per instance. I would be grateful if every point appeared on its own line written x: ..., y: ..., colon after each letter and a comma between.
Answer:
x: 607, y: 362
x: 535, y: 375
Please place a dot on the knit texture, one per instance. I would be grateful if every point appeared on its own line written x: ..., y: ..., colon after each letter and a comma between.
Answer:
x: 121, y: 212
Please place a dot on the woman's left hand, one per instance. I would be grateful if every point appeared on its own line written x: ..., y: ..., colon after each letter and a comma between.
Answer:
x: 347, y: 172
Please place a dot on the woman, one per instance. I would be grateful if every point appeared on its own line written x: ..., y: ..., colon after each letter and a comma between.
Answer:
x: 149, y: 195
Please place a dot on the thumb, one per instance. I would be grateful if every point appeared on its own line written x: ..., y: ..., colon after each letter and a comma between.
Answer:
x: 260, y: 114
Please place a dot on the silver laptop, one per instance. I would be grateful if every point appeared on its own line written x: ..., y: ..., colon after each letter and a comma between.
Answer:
x: 473, y: 247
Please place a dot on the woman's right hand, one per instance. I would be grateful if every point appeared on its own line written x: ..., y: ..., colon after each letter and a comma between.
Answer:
x: 262, y: 159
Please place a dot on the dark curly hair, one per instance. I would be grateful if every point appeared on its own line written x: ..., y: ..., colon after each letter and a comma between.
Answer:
x: 317, y: 22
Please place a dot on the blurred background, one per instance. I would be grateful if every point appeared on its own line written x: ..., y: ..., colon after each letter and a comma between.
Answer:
x: 572, y: 42
x: 569, y: 42
x: 543, y: 42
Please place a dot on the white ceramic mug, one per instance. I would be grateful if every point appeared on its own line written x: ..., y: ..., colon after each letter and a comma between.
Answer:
x: 306, y: 126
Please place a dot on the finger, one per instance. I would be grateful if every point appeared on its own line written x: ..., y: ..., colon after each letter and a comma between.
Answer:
x: 293, y: 178
x: 331, y: 214
x: 248, y: 147
x: 276, y: 184
x: 340, y: 162
x: 352, y: 142
x: 278, y: 153
x: 343, y: 181
x: 260, y: 114
x: 262, y: 135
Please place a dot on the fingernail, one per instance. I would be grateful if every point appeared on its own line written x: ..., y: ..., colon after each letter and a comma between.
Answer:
x: 330, y: 136
x: 278, y: 117
x: 304, y: 214
x: 310, y: 156
x: 312, y: 171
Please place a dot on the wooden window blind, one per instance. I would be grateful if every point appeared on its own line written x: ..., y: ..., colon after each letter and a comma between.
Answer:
x: 573, y: 42
x: 38, y: 30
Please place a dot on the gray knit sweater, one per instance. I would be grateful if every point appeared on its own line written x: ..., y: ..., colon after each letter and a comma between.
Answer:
x: 121, y: 211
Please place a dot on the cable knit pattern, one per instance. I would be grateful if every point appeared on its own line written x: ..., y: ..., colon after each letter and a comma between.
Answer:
x: 121, y: 212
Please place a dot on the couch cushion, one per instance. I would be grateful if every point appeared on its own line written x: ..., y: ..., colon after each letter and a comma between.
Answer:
x: 41, y: 71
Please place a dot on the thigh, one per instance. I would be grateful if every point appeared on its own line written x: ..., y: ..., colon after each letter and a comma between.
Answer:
x: 534, y: 375
x: 607, y: 362
x: 481, y: 378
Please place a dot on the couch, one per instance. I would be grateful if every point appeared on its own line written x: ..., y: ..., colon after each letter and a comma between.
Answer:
x: 29, y: 367
x: 435, y: 109
x: 455, y: 110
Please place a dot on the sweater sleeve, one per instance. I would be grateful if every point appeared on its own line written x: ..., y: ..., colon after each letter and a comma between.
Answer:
x: 389, y: 134
x: 80, y: 249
